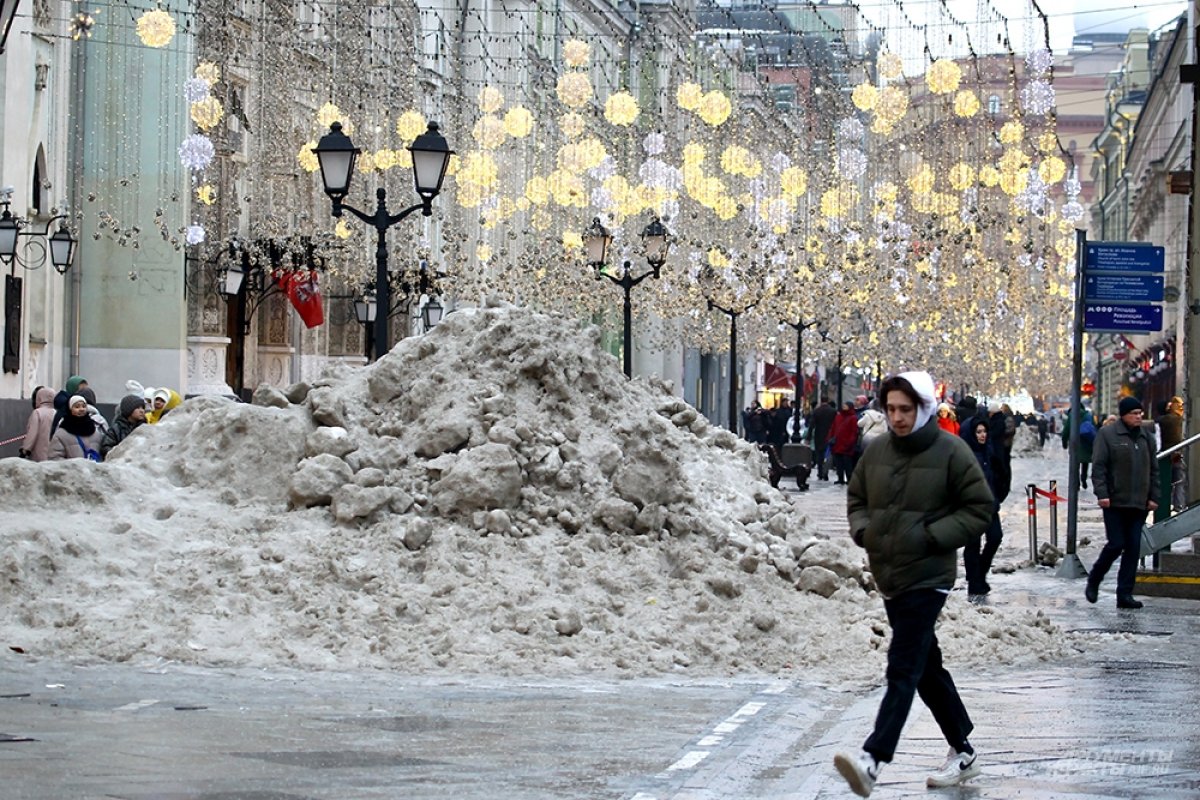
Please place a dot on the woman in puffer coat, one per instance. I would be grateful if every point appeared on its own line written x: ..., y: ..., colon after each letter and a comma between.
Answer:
x: 36, y: 446
x: 917, y: 496
x: 77, y: 436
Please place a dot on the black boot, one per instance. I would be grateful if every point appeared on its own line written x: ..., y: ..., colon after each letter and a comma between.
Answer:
x: 1091, y: 592
x: 1127, y: 601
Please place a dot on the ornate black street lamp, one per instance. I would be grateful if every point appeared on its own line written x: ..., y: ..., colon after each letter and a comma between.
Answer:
x: 733, y: 315
x: 337, y: 154
x: 656, y: 241
x: 799, y: 326
x: 61, y: 244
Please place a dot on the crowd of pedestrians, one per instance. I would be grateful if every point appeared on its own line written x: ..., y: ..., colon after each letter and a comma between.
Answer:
x: 67, y: 424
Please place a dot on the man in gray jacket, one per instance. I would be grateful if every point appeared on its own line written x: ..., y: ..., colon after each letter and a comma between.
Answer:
x: 1125, y: 479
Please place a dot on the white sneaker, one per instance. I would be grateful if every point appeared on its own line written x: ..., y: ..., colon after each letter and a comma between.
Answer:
x: 957, y: 768
x: 860, y: 771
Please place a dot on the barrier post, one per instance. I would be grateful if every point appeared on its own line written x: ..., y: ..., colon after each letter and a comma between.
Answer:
x: 1054, y: 514
x: 1031, y: 497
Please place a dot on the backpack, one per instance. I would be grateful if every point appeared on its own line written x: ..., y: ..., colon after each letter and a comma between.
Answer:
x: 1087, y: 430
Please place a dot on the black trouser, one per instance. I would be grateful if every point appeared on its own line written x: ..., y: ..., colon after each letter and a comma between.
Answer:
x: 915, y: 666
x: 819, y: 458
x: 1123, y: 529
x: 844, y: 466
x: 978, y: 564
x: 1083, y: 470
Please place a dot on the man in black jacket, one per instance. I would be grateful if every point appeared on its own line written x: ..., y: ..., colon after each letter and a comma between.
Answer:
x: 1125, y: 479
x: 822, y: 422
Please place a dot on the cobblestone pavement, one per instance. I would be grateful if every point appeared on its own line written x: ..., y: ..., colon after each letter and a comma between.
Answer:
x: 1118, y: 722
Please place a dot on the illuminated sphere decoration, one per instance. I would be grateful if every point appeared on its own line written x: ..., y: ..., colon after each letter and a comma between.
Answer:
x: 943, y: 76
x: 208, y: 71
x: 1012, y: 132
x: 518, y: 122
x: 1039, y: 61
x: 715, y: 108
x: 966, y: 103
x: 307, y: 158
x: 688, y: 96
x: 489, y: 132
x: 329, y: 114
x: 491, y: 99
x: 890, y: 65
x: 1037, y: 97
x: 576, y: 53
x: 410, y: 125
x: 865, y: 96
x: 196, y: 152
x: 206, y: 194
x: 207, y: 113
x: 195, y: 234
x: 156, y: 28
x: 574, y: 89
x: 196, y: 89
x: 621, y: 109
x: 571, y: 125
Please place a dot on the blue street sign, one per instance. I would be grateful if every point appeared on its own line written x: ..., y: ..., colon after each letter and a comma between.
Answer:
x: 1124, y: 257
x: 1109, y: 318
x: 1123, y: 288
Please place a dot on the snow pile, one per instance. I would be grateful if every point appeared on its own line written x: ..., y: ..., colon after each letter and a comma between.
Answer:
x: 1026, y: 441
x: 493, y: 496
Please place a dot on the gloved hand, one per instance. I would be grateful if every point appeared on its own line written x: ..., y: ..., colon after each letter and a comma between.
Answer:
x: 23, y: 453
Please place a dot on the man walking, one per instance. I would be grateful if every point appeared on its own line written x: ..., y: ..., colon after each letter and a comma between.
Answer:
x: 822, y: 422
x: 917, y: 496
x: 1125, y: 479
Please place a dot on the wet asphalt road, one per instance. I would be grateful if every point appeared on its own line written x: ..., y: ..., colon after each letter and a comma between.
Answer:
x: 1117, y: 722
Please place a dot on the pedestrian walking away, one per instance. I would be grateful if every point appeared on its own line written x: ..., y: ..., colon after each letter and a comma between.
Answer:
x: 1125, y: 478
x: 917, y: 496
x: 979, y: 552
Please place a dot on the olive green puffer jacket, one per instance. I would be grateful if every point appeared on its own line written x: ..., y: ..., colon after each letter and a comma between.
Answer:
x: 913, y: 502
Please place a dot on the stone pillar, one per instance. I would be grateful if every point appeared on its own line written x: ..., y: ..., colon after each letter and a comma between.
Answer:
x: 206, y: 366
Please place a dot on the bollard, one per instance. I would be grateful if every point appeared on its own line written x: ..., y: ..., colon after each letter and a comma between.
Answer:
x: 1031, y: 496
x: 1054, y: 514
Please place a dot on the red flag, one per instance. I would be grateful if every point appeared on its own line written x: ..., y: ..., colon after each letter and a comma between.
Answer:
x: 304, y: 292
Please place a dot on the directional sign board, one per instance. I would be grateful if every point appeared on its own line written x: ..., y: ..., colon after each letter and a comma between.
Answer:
x: 1113, y: 318
x: 1124, y: 257
x: 1122, y: 288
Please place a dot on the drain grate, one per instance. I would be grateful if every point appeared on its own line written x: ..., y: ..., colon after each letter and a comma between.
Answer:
x: 1138, y: 666
x: 1120, y: 630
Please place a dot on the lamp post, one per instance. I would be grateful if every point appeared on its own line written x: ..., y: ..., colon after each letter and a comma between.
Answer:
x: 799, y: 326
x: 733, y: 315
x: 61, y: 244
x: 656, y: 241
x: 337, y: 154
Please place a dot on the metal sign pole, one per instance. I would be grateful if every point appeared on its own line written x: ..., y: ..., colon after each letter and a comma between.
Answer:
x: 1071, y: 566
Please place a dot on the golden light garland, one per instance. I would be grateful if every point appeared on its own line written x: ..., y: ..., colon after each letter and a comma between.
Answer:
x: 410, y: 125
x: 621, y: 109
x: 156, y: 28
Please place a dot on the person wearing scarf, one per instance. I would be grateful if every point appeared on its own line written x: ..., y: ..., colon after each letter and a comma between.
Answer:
x: 77, y: 436
x: 917, y: 496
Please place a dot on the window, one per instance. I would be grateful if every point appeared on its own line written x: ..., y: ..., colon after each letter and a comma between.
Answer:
x: 994, y: 105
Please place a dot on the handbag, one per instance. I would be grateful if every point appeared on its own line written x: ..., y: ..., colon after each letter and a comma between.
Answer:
x: 88, y: 453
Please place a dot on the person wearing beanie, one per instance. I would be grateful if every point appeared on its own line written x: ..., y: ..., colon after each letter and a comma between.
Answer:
x: 130, y: 414
x: 946, y: 419
x: 1125, y: 479
x: 77, y: 435
x: 917, y: 496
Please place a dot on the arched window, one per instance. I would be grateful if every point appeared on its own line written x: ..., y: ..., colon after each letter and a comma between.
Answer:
x: 38, y: 193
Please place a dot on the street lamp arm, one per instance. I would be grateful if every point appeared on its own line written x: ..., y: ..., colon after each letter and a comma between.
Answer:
x: 626, y: 281
x: 425, y: 207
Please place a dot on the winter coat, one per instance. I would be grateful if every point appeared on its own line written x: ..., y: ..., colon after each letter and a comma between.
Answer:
x: 1083, y: 453
x: 121, y: 427
x: 913, y: 502
x: 871, y: 424
x: 154, y: 417
x: 985, y: 455
x: 64, y: 443
x: 1170, y: 429
x: 822, y: 421
x: 1125, y: 466
x: 37, y: 430
x: 948, y: 425
x: 844, y: 433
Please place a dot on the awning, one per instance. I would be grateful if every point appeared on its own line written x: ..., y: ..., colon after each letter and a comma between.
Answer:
x: 778, y: 379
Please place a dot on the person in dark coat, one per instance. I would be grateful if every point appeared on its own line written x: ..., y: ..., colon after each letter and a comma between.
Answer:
x: 966, y: 408
x: 753, y: 423
x: 822, y: 423
x: 1170, y: 433
x: 61, y: 407
x: 130, y: 414
x: 917, y: 496
x: 844, y: 435
x: 1125, y: 479
x: 1043, y: 429
x: 976, y: 563
x: 777, y: 422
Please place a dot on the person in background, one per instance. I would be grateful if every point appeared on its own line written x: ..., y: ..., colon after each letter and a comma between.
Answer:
x: 777, y: 424
x: 946, y: 419
x: 916, y: 498
x: 844, y: 439
x: 130, y: 414
x: 36, y: 446
x: 1043, y: 429
x: 164, y: 400
x: 1087, y: 437
x: 822, y: 422
x: 753, y: 423
x: 1125, y: 478
x: 77, y: 435
x: 86, y: 393
x: 74, y: 384
x: 1170, y: 433
x: 976, y: 563
x: 871, y: 424
x: 966, y: 408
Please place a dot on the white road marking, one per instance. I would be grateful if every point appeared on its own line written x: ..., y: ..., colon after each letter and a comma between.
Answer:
x: 643, y: 796
x: 140, y: 704
x: 688, y: 761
